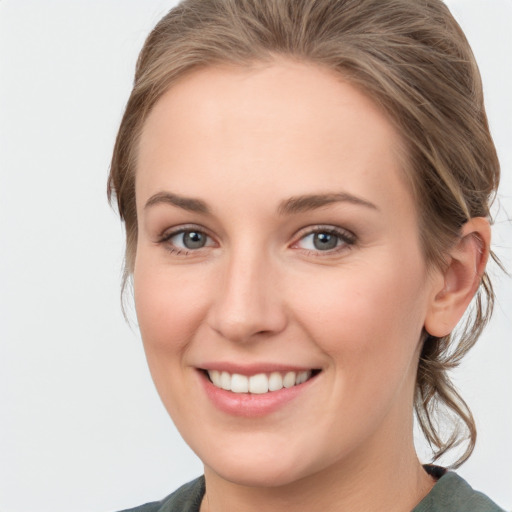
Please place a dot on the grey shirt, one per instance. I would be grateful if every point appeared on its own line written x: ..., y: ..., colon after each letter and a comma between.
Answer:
x: 451, y: 493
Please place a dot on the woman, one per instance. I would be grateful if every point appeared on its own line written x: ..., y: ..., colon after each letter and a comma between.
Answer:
x: 306, y: 187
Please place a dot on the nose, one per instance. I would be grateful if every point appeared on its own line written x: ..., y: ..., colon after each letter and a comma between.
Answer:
x: 248, y: 303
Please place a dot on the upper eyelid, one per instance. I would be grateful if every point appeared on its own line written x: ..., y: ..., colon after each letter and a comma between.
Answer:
x: 324, y: 228
x: 173, y: 231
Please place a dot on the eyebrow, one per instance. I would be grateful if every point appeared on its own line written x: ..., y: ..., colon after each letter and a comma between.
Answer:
x: 186, y: 203
x: 298, y: 204
x: 306, y: 203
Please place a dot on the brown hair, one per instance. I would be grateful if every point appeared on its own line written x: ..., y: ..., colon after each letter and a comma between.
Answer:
x: 412, y: 58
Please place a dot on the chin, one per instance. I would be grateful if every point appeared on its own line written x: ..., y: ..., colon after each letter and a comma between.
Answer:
x: 269, y: 467
x: 256, y: 475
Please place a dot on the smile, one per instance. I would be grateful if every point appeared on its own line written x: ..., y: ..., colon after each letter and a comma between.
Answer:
x: 260, y: 383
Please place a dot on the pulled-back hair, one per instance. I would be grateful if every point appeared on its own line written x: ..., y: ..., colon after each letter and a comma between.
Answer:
x: 412, y: 58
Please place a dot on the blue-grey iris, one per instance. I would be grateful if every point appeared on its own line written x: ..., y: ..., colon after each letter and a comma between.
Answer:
x: 325, y: 241
x: 194, y: 239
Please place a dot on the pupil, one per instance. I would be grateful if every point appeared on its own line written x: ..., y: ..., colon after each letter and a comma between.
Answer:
x: 193, y: 240
x: 325, y: 241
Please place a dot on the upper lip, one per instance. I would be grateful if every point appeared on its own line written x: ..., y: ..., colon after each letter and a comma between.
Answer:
x: 254, y: 368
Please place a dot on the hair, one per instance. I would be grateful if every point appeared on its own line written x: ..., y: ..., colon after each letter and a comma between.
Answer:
x: 409, y: 56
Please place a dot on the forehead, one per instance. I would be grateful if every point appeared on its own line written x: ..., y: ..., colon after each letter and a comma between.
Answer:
x: 283, y: 123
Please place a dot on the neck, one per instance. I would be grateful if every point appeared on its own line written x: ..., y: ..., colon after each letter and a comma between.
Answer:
x: 357, y: 484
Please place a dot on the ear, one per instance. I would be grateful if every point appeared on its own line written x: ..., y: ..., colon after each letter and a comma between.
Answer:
x: 460, y: 278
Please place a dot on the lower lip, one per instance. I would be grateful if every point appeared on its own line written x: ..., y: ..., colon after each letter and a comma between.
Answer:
x: 251, y: 405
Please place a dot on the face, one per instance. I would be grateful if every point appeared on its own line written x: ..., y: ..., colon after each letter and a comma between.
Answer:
x: 280, y: 286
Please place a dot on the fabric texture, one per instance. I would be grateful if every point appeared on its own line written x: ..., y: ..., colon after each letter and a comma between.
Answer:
x: 185, y: 499
x: 451, y: 493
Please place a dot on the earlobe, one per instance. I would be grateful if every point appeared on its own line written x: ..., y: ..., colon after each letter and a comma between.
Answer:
x: 460, y: 279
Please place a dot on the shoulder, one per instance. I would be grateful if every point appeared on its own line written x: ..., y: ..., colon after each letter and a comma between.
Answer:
x: 185, y: 499
x: 452, y: 493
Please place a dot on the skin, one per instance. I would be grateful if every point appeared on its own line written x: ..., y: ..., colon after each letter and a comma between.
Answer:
x: 244, y: 142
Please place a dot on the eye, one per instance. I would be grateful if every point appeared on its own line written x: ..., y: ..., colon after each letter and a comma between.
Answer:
x: 184, y: 240
x: 326, y: 240
x: 189, y: 239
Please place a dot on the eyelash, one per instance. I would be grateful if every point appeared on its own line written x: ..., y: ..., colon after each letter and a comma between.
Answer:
x: 346, y: 239
x: 165, y: 238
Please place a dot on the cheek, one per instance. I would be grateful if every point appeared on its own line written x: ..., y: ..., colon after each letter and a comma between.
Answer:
x: 365, y: 315
x: 169, y: 304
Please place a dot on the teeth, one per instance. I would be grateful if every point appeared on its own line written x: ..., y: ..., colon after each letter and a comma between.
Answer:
x: 289, y: 380
x: 302, y: 377
x: 240, y: 384
x: 215, y: 377
x: 225, y: 381
x: 257, y: 384
x: 275, y: 383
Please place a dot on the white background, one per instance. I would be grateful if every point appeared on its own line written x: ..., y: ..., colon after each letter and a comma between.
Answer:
x: 81, y: 427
